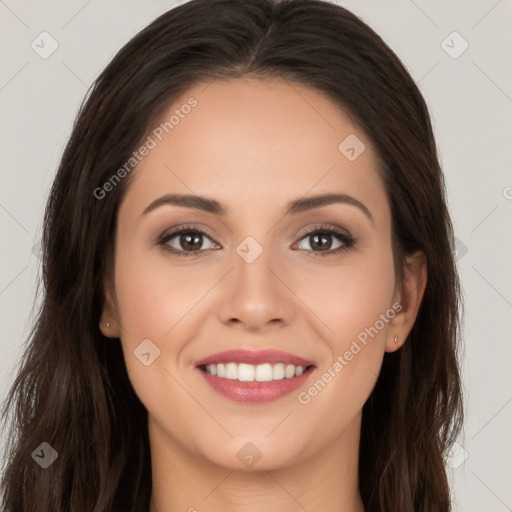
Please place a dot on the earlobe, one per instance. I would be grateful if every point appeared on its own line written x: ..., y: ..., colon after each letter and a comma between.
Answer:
x: 395, y: 343
x: 108, y: 324
x: 409, y: 295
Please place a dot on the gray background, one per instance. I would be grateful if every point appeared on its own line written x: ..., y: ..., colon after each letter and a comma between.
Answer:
x: 470, y: 98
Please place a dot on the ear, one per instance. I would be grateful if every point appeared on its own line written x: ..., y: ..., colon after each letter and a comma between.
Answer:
x: 408, y: 296
x: 109, y: 324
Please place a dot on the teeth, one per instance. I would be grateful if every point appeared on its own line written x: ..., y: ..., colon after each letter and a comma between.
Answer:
x: 289, y: 371
x: 260, y: 373
x: 278, y: 371
x: 246, y: 372
x: 231, y: 371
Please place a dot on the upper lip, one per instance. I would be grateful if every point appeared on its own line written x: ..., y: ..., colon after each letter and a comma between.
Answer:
x: 254, y: 357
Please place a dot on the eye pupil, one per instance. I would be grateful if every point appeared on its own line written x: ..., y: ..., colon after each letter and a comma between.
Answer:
x: 187, y: 241
x: 317, y: 242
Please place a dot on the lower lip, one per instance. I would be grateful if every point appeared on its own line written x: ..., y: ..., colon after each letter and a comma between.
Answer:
x: 255, y: 392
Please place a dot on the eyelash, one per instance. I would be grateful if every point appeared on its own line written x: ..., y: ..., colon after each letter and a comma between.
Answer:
x: 347, y: 240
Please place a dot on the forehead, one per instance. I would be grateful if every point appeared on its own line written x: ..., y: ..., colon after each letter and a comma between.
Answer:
x: 253, y: 142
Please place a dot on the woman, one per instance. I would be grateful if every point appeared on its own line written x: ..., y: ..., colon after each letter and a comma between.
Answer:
x: 251, y: 298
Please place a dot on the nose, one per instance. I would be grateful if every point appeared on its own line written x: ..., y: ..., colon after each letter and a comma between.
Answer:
x: 255, y: 297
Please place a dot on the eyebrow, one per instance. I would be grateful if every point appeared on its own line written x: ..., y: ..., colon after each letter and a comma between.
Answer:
x: 293, y: 207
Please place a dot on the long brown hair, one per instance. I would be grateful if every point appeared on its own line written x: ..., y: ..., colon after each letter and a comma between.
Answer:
x: 72, y: 389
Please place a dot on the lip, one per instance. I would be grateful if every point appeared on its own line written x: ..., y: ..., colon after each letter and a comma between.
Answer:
x: 254, y: 357
x: 255, y: 392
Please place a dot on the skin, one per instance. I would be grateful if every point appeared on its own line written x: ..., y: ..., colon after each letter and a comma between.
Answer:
x: 254, y: 146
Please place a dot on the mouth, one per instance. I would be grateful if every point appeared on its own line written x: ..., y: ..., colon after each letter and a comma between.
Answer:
x: 244, y: 372
x: 255, y: 376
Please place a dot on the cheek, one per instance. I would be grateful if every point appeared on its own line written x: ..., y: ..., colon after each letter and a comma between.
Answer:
x: 156, y: 302
x: 355, y: 303
x: 152, y: 295
x: 151, y: 301
x: 352, y: 297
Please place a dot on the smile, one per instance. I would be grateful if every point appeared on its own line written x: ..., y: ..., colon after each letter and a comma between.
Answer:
x: 254, y: 376
x: 244, y: 372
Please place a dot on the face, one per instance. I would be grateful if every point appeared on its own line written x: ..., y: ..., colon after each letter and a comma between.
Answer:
x: 290, y: 284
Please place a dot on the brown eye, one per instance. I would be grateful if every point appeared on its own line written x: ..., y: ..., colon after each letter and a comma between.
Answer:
x: 185, y: 242
x: 327, y: 240
x: 190, y: 242
x: 322, y: 241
